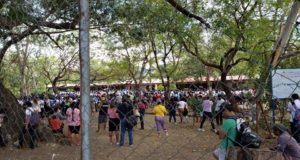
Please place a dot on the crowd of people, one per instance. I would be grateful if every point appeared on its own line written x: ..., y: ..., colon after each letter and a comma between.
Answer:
x: 119, y: 110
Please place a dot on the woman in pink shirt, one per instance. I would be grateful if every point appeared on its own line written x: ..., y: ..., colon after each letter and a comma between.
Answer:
x: 73, y: 119
x: 113, y: 124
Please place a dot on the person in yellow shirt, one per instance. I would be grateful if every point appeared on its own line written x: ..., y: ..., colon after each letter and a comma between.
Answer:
x: 159, y: 112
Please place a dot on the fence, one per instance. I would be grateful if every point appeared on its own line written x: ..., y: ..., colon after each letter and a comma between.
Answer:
x: 75, y: 125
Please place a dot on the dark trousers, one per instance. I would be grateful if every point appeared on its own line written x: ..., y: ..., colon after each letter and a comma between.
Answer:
x: 219, y: 118
x: 172, y: 114
x: 32, y: 131
x: 207, y: 115
x: 292, y: 125
x: 296, y: 134
x: 142, y: 114
x: 2, y: 143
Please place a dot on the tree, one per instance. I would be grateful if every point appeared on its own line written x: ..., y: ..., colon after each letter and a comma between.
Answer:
x: 239, y: 32
x: 58, y: 69
x: 167, y: 57
x: 20, y: 19
x: 281, y: 44
x: 146, y: 23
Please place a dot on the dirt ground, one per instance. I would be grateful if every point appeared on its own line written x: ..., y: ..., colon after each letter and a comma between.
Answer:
x: 183, y: 142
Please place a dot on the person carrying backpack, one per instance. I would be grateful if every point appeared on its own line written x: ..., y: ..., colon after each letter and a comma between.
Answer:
x: 125, y: 111
x: 227, y: 133
x: 32, y: 119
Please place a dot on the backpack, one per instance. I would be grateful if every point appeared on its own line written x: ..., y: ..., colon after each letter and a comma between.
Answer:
x: 34, y: 118
x: 131, y: 121
x: 245, y: 137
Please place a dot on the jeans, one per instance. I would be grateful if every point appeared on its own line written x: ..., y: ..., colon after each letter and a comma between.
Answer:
x: 209, y: 115
x: 124, y: 126
x: 172, y: 114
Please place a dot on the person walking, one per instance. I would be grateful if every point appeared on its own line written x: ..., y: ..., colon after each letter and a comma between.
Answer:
x: 182, y: 105
x: 218, y: 110
x: 227, y: 133
x: 207, y: 107
x: 159, y: 111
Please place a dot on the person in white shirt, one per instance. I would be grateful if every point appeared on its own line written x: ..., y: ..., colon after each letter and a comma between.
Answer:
x: 207, y: 107
x: 296, y: 105
x: 218, y: 110
x: 181, y: 105
x: 28, y: 127
x: 291, y: 110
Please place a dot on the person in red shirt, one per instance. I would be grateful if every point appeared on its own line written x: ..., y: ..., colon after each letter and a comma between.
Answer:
x: 142, y: 105
x: 56, y: 124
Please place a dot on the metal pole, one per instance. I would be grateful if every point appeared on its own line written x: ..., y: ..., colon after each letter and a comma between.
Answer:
x: 85, y: 79
x: 273, y: 111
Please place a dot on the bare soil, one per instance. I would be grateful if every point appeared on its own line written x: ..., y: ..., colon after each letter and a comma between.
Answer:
x: 183, y: 142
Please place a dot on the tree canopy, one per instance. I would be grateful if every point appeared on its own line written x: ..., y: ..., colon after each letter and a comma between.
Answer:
x: 138, y: 40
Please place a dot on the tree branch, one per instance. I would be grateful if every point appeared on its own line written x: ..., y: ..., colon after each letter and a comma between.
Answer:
x: 15, y: 39
x: 187, y: 13
x: 49, y: 36
x: 289, y: 55
x: 201, y: 60
x: 239, y: 60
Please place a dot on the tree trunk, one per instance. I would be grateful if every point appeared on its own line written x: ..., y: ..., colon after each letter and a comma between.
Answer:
x: 13, y: 111
x: 227, y: 89
x: 167, y: 89
x: 54, y: 88
x: 286, y: 33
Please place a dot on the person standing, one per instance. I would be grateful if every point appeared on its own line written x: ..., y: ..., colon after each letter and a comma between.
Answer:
x: 227, y: 133
x: 36, y: 105
x: 102, y: 118
x: 125, y: 110
x: 218, y: 110
x: 113, y: 123
x: 286, y: 144
x: 207, y: 106
x: 195, y: 102
x: 172, y: 110
x: 142, y: 105
x: 296, y: 104
x: 31, y: 125
x: 291, y: 110
x: 73, y: 118
x: 159, y: 111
